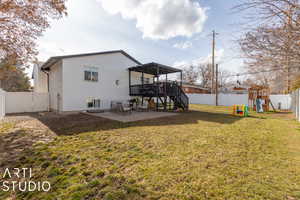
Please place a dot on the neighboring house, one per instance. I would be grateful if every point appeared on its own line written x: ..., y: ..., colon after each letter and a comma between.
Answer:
x: 190, y: 88
x: 92, y: 81
x: 239, y: 90
x: 235, y: 89
x: 39, y: 79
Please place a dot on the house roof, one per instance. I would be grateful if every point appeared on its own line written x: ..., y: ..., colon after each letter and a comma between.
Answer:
x: 190, y: 85
x: 53, y: 60
x: 154, y: 69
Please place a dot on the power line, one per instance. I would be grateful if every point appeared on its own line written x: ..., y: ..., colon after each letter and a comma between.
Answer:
x: 257, y: 72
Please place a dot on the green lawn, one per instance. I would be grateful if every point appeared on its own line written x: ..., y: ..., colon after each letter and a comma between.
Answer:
x: 203, y: 154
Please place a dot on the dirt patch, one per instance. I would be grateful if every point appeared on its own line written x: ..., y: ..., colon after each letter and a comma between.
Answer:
x: 24, y: 131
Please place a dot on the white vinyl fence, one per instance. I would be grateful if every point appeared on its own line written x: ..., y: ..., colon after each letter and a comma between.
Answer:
x: 2, y: 103
x: 296, y: 103
x: 282, y: 101
x: 22, y: 102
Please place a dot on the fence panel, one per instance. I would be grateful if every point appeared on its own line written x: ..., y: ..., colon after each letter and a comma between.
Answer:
x: 20, y: 102
x: 232, y: 99
x: 207, y: 99
x: 295, y: 103
x: 2, y: 103
x: 285, y: 101
x: 223, y: 99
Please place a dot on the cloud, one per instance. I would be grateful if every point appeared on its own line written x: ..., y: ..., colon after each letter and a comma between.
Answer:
x: 219, y: 56
x: 160, y: 19
x: 47, y: 49
x: 184, y: 45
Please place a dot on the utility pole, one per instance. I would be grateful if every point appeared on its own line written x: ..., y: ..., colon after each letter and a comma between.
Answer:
x: 213, y: 61
x: 288, y: 46
x: 217, y: 83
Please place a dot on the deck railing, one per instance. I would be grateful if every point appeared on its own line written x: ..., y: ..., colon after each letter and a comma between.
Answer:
x: 161, y: 89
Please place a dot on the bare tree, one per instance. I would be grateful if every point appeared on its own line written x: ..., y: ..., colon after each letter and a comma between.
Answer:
x: 270, y: 11
x: 224, y: 79
x: 205, y: 75
x: 201, y: 74
x: 190, y: 74
x: 273, y: 46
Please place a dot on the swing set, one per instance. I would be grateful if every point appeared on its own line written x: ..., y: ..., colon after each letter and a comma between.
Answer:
x: 262, y: 92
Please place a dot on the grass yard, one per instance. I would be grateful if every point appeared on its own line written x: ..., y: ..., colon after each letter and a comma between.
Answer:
x: 204, y: 154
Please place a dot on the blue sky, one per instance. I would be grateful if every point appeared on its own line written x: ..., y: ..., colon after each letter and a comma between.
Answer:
x: 172, y: 35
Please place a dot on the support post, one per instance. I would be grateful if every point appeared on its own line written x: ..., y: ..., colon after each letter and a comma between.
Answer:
x: 166, y: 97
x: 129, y: 82
x: 142, y: 79
x: 157, y: 86
x: 181, y: 77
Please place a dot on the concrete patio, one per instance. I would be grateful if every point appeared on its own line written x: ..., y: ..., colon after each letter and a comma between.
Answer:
x: 133, y: 116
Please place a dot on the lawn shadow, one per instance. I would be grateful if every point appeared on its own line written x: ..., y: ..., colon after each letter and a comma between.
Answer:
x: 15, y: 142
x: 73, y: 124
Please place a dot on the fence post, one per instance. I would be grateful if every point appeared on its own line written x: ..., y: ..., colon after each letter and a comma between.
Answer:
x: 297, y: 104
x: 2, y: 103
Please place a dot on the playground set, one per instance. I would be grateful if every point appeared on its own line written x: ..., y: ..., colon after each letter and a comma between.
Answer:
x: 262, y: 93
x: 241, y: 110
x: 259, y: 100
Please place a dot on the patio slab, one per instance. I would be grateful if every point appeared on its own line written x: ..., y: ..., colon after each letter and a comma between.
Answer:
x: 134, y: 116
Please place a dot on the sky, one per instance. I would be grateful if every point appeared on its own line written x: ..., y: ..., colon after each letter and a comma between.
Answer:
x: 170, y: 32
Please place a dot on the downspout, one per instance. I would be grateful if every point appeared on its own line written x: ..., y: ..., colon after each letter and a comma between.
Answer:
x: 48, y: 89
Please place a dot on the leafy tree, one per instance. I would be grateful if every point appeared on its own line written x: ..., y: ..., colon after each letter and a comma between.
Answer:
x: 13, y: 78
x: 21, y: 22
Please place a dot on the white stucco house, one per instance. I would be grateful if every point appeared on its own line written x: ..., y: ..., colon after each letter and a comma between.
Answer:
x: 92, y: 81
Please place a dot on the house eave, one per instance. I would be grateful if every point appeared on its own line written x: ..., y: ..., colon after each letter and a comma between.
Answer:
x: 52, y: 60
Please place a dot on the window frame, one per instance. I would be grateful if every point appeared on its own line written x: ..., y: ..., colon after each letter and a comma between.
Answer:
x: 91, y: 74
x: 93, y: 103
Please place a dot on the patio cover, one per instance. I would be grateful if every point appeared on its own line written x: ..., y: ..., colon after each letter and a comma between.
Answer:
x: 154, y: 69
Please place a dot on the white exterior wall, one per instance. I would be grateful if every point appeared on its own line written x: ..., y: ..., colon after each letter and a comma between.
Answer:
x: 20, y: 102
x: 56, y: 86
x: 2, y: 103
x: 111, y: 67
x: 40, y: 80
